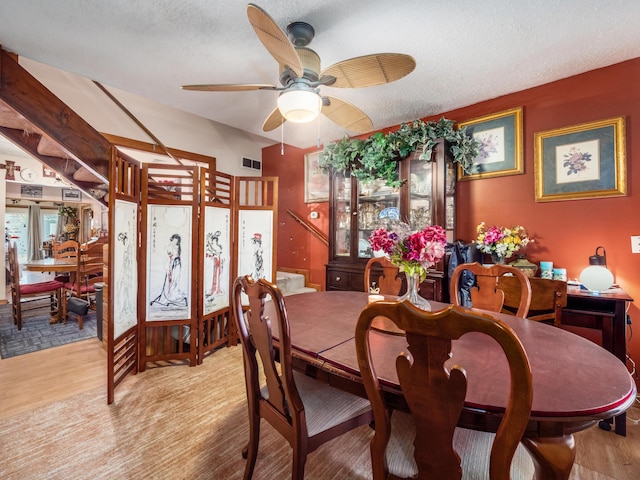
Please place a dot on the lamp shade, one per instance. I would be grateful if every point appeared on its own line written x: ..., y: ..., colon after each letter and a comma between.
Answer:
x: 299, y: 106
x: 596, y: 277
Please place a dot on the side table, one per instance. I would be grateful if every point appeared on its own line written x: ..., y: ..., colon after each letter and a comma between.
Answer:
x: 605, y: 312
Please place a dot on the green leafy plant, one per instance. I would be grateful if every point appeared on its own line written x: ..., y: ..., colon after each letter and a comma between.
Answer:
x: 377, y: 156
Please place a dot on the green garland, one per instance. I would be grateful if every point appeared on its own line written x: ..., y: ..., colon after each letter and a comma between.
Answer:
x: 376, y: 157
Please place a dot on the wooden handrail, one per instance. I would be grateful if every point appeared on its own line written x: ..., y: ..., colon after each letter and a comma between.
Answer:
x: 320, y: 235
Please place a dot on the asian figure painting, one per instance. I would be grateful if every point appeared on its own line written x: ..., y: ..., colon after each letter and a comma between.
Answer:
x: 256, y: 246
x: 217, y: 249
x: 169, y: 262
x: 125, y: 271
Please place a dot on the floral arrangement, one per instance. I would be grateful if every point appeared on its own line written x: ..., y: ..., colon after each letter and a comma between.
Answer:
x: 501, y: 241
x: 411, y: 252
x: 70, y: 228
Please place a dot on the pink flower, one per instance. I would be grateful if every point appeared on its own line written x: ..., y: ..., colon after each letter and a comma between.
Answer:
x: 412, y: 252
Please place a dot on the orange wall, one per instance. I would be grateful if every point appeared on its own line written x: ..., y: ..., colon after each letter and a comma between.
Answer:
x: 296, y: 248
x: 566, y: 232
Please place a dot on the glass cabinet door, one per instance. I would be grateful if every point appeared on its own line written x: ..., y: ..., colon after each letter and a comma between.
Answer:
x: 421, y: 193
x: 343, y: 215
x: 378, y: 204
x: 450, y: 201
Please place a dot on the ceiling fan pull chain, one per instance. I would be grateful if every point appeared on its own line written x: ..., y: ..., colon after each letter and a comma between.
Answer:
x: 282, y: 137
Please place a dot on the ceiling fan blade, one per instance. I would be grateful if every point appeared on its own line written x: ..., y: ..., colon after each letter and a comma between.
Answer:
x: 370, y: 70
x: 273, y: 121
x: 229, y: 87
x: 274, y: 39
x: 347, y: 116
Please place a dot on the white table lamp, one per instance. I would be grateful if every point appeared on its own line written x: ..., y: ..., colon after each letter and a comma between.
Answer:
x: 596, y: 277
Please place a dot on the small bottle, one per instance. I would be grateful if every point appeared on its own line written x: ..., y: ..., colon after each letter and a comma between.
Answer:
x: 560, y: 274
x: 546, y: 270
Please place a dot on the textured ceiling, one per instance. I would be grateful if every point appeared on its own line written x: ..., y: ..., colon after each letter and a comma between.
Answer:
x: 466, y: 50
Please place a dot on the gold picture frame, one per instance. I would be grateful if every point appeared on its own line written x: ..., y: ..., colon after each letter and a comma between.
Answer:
x: 316, y: 182
x: 582, y: 161
x: 500, y: 136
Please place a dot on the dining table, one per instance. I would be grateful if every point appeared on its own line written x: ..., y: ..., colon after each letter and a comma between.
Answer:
x: 59, y: 265
x: 53, y: 265
x: 576, y: 383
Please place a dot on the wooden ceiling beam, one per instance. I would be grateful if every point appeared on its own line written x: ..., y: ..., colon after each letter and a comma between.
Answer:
x: 27, y: 96
x: 29, y: 143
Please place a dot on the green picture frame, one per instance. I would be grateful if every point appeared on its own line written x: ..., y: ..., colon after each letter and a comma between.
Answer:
x: 500, y: 136
x: 581, y: 162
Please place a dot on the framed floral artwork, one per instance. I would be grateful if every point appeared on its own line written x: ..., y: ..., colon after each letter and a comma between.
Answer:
x: 500, y: 138
x: 582, y: 161
x: 316, y: 182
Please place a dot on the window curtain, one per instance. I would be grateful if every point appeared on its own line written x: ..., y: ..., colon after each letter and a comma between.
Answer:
x: 34, y: 233
x: 60, y: 235
x: 86, y: 225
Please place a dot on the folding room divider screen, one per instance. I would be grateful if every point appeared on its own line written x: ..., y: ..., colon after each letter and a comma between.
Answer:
x: 121, y: 267
x: 194, y: 231
x: 169, y: 263
x: 216, y: 254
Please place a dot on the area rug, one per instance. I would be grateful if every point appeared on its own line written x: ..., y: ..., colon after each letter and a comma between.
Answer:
x: 38, y: 334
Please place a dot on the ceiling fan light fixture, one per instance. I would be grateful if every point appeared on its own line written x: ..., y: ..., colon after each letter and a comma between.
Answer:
x: 299, y: 106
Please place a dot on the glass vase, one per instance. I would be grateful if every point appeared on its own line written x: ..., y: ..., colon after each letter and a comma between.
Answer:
x: 497, y: 259
x: 413, y: 283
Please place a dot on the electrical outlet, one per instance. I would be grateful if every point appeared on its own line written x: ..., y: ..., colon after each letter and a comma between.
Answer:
x: 635, y: 243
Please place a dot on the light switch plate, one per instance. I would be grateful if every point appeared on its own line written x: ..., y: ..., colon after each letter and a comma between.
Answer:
x: 635, y: 243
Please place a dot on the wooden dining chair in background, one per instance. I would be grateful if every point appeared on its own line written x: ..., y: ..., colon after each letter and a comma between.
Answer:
x: 548, y: 298
x: 307, y: 412
x: 485, y: 292
x: 389, y: 282
x: 65, y: 250
x: 89, y: 271
x: 426, y: 443
x: 30, y: 296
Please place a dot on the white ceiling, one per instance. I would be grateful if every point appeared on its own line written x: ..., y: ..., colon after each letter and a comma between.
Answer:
x: 466, y: 50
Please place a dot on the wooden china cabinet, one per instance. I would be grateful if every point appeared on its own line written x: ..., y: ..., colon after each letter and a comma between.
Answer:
x: 427, y: 197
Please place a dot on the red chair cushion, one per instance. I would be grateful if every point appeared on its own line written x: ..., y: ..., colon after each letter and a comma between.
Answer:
x: 41, y: 287
x: 83, y: 288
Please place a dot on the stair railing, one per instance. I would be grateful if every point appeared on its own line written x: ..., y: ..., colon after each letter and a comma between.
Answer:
x: 319, y: 234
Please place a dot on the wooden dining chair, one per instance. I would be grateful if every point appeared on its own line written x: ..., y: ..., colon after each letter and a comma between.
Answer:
x: 30, y: 296
x: 65, y: 250
x: 88, y: 272
x: 548, y: 298
x: 485, y: 292
x: 307, y: 412
x: 389, y: 282
x: 426, y: 443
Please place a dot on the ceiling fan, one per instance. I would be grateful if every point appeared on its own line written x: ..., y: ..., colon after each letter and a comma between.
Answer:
x: 300, y: 99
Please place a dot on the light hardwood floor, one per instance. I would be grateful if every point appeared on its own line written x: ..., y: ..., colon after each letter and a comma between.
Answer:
x: 37, y: 379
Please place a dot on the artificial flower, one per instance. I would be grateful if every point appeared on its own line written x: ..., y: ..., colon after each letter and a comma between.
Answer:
x: 412, y: 252
x: 501, y: 241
